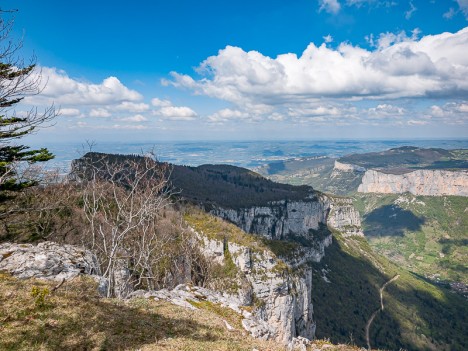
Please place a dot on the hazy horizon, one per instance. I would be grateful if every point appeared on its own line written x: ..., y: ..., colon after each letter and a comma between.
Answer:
x: 249, y: 154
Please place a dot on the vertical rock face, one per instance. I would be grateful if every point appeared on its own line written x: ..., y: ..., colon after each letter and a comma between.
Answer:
x: 344, y: 218
x: 281, y: 288
x: 279, y: 220
x: 293, y: 219
x: 280, y: 292
x: 420, y: 182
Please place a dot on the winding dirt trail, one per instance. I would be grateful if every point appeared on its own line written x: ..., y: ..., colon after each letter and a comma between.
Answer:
x: 371, y: 319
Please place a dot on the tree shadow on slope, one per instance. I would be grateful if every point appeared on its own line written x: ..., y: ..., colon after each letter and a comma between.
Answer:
x: 391, y: 220
x: 417, y: 315
x: 76, y: 319
x: 448, y: 245
x: 275, y: 167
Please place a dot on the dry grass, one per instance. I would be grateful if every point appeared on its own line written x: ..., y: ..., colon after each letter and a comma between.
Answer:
x: 75, y: 318
x: 218, y: 229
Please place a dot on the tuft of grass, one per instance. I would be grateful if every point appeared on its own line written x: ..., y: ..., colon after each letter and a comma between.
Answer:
x: 233, y: 318
x: 39, y: 295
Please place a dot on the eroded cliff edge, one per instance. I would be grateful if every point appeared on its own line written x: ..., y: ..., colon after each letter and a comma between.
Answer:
x: 420, y: 182
x: 296, y: 220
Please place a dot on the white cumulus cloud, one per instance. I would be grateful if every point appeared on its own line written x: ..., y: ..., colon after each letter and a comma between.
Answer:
x: 181, y: 113
x: 70, y: 112
x: 160, y: 103
x: 227, y: 114
x: 385, y: 111
x: 64, y: 90
x: 450, y: 112
x: 435, y: 65
x: 132, y: 106
x: 166, y: 110
x: 99, y: 112
x: 135, y: 118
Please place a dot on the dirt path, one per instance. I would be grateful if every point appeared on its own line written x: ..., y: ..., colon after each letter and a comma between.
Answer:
x: 371, y: 319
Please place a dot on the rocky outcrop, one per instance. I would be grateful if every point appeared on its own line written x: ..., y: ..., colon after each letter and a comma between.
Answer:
x: 292, y: 219
x: 347, y: 167
x: 420, y: 182
x: 52, y: 261
x: 280, y: 291
x: 189, y: 296
x: 344, y: 218
x: 47, y: 260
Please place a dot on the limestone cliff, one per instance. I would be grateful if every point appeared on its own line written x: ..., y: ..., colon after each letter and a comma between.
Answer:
x: 296, y: 219
x: 283, y: 285
x: 420, y: 182
x: 344, y: 217
x: 346, y: 167
x: 280, y: 290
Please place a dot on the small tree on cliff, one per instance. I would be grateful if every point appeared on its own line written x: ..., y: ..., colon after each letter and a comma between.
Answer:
x: 17, y: 81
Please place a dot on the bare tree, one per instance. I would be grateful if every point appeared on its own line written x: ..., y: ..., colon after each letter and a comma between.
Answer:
x: 122, y: 201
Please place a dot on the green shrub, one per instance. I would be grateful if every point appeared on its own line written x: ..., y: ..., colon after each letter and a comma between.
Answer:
x: 39, y: 295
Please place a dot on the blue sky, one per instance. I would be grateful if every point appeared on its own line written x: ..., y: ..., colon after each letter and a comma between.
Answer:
x: 316, y: 69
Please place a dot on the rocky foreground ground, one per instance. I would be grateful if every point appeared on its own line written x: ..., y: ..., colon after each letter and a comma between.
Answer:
x: 52, y: 302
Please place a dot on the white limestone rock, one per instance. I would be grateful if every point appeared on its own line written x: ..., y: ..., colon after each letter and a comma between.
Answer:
x: 47, y: 260
x: 420, y: 182
x: 344, y: 218
x: 346, y: 167
x: 282, y: 298
x: 292, y: 219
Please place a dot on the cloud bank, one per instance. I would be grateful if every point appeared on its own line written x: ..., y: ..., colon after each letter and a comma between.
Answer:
x: 103, y: 104
x: 434, y: 66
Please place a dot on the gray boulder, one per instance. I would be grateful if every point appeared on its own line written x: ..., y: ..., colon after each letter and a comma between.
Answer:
x: 47, y: 260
